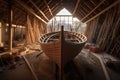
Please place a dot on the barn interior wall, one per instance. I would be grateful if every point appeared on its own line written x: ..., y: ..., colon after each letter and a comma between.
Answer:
x: 105, y: 31
x: 4, y: 33
x: 34, y: 29
x: 18, y: 33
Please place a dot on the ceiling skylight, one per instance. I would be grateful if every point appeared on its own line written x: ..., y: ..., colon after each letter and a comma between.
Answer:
x: 64, y: 12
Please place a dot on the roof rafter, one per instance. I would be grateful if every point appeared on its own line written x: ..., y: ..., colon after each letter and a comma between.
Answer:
x: 39, y: 10
x: 55, y: 6
x: 29, y: 10
x: 48, y: 8
x: 77, y: 3
x: 54, y: 9
x: 106, y: 9
x: 92, y: 10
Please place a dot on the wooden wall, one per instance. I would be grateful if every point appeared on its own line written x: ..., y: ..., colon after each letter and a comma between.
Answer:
x: 30, y: 33
x: 34, y: 29
x: 105, y: 31
x: 18, y: 33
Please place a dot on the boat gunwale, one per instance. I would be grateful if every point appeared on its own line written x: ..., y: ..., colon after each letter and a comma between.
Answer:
x: 83, y: 40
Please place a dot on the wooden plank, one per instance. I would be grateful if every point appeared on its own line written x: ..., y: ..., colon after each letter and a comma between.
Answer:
x: 30, y: 10
x: 4, y: 53
x: 29, y: 66
x: 106, y: 9
x: 78, y: 1
x: 103, y: 67
x: 39, y: 10
x: 27, y: 62
x: 93, y: 10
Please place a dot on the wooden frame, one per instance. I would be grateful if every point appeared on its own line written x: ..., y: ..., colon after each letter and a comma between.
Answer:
x: 93, y: 10
x: 77, y: 4
x: 29, y: 10
x: 106, y: 9
x: 48, y: 8
x: 39, y: 10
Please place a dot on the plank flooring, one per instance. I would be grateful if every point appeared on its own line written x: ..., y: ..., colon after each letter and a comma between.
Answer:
x: 82, y: 67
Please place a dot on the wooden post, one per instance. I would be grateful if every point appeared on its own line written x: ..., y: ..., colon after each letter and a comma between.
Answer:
x: 0, y: 34
x: 21, y: 32
x: 14, y: 32
x: 10, y: 24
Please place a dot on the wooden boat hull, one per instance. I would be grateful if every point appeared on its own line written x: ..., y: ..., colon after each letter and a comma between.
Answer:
x: 62, y: 46
x: 61, y: 51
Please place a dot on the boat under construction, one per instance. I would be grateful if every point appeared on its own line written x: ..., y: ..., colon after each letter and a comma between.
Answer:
x: 62, y: 46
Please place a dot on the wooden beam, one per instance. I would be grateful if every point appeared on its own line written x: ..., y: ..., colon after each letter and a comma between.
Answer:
x: 78, y: 1
x: 106, y: 9
x: 93, y: 10
x: 30, y: 10
x: 49, y: 2
x: 55, y: 6
x: 48, y: 8
x: 39, y: 10
x: 54, y: 9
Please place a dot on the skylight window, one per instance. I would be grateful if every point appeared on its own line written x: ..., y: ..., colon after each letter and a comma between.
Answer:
x: 65, y: 18
x: 64, y: 12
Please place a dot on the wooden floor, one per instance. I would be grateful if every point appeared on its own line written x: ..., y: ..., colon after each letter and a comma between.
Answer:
x: 83, y: 67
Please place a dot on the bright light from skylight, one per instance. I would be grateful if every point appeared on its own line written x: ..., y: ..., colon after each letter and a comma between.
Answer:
x: 65, y: 18
x: 76, y: 19
x: 64, y: 12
